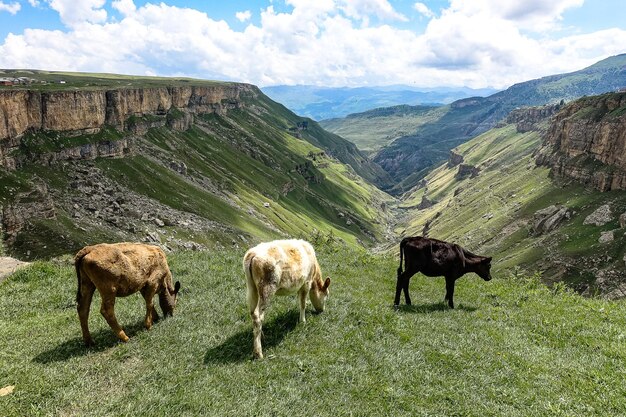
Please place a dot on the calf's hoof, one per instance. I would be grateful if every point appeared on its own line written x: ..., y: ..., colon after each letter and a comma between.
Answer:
x: 89, y: 343
x: 257, y: 355
x: 122, y: 336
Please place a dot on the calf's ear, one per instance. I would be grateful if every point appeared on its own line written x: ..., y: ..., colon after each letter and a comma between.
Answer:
x: 326, y: 284
x: 176, y: 287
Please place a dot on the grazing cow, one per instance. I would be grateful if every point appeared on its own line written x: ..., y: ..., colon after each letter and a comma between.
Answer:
x: 436, y: 258
x: 282, y: 267
x: 118, y: 270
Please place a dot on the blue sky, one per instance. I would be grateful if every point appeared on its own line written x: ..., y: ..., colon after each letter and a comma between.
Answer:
x: 477, y: 43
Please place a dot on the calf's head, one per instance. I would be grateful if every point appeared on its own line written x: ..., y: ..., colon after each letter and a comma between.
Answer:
x: 483, y: 269
x: 319, y: 293
x: 167, y: 299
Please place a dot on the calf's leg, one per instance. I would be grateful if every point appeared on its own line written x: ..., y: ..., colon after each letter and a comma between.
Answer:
x: 302, y: 296
x: 450, y: 291
x: 107, y: 310
x: 405, y: 288
x: 403, y: 285
x: 84, y: 303
x: 257, y: 319
x: 151, y: 313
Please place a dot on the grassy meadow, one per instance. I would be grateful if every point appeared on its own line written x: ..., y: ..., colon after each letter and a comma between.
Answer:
x: 511, y: 347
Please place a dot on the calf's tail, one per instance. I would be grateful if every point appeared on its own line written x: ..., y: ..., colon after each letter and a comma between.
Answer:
x: 253, y: 293
x: 402, y: 245
x: 78, y: 259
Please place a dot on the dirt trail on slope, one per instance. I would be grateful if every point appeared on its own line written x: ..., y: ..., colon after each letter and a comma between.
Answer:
x: 9, y: 265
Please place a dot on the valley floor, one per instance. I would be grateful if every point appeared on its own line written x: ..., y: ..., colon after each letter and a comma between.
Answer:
x: 512, y: 347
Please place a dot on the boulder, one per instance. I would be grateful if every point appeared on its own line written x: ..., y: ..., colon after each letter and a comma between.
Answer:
x: 601, y: 216
x: 548, y: 219
x: 622, y: 220
x: 606, y: 237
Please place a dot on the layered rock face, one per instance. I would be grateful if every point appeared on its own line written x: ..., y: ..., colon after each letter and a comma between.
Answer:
x: 88, y: 111
x: 587, y: 142
x: 528, y: 118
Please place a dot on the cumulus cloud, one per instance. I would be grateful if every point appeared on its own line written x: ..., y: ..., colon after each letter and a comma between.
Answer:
x: 12, y: 8
x: 423, y: 9
x: 319, y: 42
x: 74, y: 12
x: 537, y: 15
x: 362, y: 9
x: 125, y: 7
x: 243, y: 16
x: 34, y: 3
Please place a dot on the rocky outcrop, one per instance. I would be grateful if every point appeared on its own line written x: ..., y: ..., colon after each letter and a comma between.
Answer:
x: 527, y: 119
x: 425, y: 203
x: 88, y: 111
x: 454, y: 159
x: 26, y: 206
x: 89, y: 151
x: 549, y: 218
x: 587, y: 142
x: 601, y: 216
x: 467, y: 171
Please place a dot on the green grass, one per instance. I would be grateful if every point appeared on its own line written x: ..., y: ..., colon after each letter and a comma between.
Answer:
x: 375, y: 129
x: 84, y: 80
x: 512, y: 347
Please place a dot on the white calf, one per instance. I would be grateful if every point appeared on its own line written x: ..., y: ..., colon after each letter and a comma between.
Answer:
x: 282, y: 267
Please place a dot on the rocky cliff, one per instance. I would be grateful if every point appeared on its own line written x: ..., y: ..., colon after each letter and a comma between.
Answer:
x: 527, y: 119
x: 86, y: 111
x: 586, y: 141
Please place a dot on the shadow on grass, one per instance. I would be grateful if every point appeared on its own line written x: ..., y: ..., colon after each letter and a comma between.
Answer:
x: 103, y: 339
x: 430, y: 308
x: 238, y: 347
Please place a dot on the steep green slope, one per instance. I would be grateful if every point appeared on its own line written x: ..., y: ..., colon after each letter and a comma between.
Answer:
x: 408, y: 158
x: 229, y: 179
x: 375, y: 129
x: 512, y: 347
x: 496, y: 213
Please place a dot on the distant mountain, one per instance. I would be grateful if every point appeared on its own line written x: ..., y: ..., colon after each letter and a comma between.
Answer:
x: 325, y: 102
x: 422, y: 136
x: 409, y: 158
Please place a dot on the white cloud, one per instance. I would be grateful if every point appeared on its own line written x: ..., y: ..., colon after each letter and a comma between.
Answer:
x: 536, y: 15
x: 317, y: 42
x: 423, y: 9
x: 362, y: 9
x: 74, y: 12
x: 243, y: 16
x: 34, y: 3
x: 125, y: 7
x: 12, y: 8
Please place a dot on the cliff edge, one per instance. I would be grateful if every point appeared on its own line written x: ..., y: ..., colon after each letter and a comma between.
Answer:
x: 586, y: 141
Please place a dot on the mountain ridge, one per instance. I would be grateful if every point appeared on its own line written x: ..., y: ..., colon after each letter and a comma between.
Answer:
x: 321, y: 103
x: 183, y: 166
x: 410, y: 156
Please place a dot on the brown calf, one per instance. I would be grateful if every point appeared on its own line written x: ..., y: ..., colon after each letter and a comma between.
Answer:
x: 282, y: 267
x: 118, y: 270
